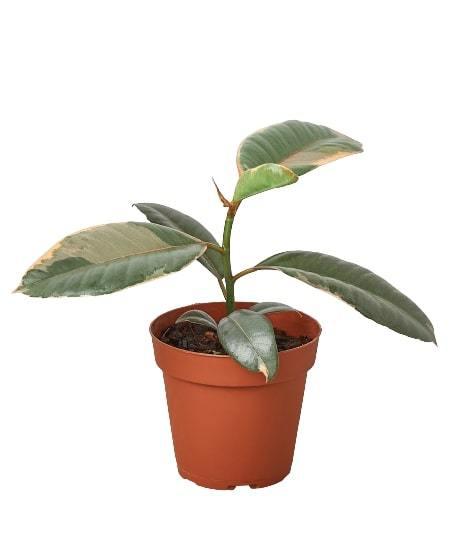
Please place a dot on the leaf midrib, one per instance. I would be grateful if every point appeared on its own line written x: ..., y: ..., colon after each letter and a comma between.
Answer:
x: 281, y: 268
x: 249, y: 340
x: 103, y: 263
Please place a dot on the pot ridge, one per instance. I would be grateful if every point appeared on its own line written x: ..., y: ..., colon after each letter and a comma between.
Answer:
x: 222, y: 370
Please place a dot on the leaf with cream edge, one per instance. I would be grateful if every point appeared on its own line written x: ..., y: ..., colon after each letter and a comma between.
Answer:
x: 368, y: 293
x: 107, y: 258
x: 299, y: 146
x: 248, y: 337
x: 263, y: 178
x: 167, y: 216
x: 196, y: 316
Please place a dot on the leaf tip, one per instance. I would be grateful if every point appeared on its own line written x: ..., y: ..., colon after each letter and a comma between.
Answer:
x: 263, y: 369
x: 432, y: 334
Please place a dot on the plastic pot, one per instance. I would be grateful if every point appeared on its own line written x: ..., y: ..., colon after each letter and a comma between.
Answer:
x: 229, y: 427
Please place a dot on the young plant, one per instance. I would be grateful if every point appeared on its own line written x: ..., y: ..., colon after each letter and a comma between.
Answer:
x: 108, y: 258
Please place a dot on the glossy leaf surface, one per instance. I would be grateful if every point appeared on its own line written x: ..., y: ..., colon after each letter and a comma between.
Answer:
x: 297, y: 145
x: 369, y: 294
x: 107, y: 258
x: 196, y: 316
x: 248, y: 337
x: 263, y: 178
x: 166, y: 216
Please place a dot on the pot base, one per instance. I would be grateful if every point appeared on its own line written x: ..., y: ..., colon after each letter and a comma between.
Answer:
x: 224, y: 485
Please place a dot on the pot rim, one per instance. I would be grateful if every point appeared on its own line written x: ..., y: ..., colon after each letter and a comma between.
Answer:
x: 209, y: 355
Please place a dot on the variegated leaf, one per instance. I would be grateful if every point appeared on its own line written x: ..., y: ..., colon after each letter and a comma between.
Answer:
x: 248, y: 337
x: 196, y: 316
x: 299, y: 146
x: 369, y: 294
x: 268, y: 307
x: 167, y: 216
x: 107, y: 258
x: 263, y: 178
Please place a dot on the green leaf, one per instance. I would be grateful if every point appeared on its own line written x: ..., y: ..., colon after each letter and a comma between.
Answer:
x: 268, y: 307
x: 107, y: 258
x: 248, y: 337
x: 166, y: 216
x: 369, y: 294
x: 263, y: 178
x: 197, y: 316
x: 299, y: 146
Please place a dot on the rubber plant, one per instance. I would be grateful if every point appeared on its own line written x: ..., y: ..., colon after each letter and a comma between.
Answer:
x: 107, y: 258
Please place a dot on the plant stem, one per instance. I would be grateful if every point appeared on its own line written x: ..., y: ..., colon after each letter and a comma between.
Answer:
x: 227, y: 260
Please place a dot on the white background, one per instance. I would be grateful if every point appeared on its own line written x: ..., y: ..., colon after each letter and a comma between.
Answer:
x: 108, y: 103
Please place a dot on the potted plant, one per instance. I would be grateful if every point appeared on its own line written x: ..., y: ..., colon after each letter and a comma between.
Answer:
x: 234, y: 372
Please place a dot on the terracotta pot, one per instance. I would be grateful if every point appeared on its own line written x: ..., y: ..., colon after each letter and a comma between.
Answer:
x: 229, y: 427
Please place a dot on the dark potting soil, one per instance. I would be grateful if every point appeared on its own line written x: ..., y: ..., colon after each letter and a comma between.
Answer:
x: 202, y: 339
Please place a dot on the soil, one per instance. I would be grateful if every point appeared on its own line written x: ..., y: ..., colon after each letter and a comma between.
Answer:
x: 202, y: 339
